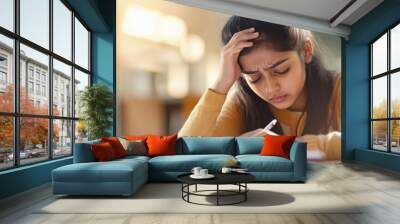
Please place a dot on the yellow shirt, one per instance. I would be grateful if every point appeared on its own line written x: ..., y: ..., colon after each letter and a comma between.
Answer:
x: 219, y: 115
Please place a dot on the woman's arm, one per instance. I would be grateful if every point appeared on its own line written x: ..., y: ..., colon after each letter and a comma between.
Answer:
x: 214, y: 115
x: 329, y: 144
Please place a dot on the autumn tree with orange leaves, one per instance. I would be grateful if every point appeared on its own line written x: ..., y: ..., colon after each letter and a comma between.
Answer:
x: 33, y: 131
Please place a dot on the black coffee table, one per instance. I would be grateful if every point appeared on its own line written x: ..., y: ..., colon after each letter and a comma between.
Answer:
x: 238, y: 179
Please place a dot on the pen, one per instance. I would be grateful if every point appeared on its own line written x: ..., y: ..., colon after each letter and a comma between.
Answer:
x: 270, y: 125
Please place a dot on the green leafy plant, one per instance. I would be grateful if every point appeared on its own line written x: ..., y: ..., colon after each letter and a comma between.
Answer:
x: 96, y: 102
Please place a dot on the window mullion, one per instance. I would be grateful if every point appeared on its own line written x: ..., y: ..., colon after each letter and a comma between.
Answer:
x: 389, y: 106
x: 73, y: 82
x: 50, y: 81
x: 16, y: 84
x: 370, y: 98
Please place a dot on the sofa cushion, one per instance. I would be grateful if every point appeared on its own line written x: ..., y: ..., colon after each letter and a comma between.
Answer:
x: 161, y: 145
x: 185, y: 163
x: 257, y: 163
x: 116, y: 145
x: 134, y: 147
x: 111, y: 171
x: 249, y: 145
x: 206, y: 145
x: 103, y: 152
x: 277, y: 145
x: 83, y: 152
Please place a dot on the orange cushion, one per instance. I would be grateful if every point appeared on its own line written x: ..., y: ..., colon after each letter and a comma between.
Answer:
x: 103, y: 151
x: 161, y: 145
x: 277, y: 145
x: 116, y: 145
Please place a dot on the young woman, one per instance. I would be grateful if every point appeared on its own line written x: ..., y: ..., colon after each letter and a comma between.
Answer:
x: 273, y: 72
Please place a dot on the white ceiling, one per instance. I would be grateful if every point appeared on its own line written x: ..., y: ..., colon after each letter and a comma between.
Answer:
x: 316, y: 15
x: 319, y: 9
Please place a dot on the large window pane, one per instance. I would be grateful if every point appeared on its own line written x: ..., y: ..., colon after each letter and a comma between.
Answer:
x: 62, y: 29
x: 379, y: 97
x: 395, y: 136
x: 81, y: 81
x: 395, y: 47
x: 6, y: 142
x: 62, y: 89
x: 379, y: 55
x: 62, y: 138
x: 379, y: 135
x: 34, y: 72
x: 6, y: 74
x: 35, y: 21
x: 81, y: 45
x: 395, y: 94
x: 33, y: 139
x: 7, y: 14
x: 81, y: 131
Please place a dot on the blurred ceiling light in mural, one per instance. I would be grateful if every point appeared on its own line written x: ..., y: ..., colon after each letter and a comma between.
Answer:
x: 173, y: 30
x: 152, y: 25
x: 192, y: 49
x: 178, y: 80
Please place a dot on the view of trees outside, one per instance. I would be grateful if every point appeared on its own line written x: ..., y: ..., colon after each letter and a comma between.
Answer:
x: 6, y: 141
x: 33, y: 131
x: 379, y: 128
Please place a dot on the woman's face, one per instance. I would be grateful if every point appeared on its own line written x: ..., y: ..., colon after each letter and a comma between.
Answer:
x: 277, y: 77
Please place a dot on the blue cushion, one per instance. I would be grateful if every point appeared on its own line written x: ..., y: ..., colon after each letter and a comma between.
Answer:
x: 298, y: 155
x: 206, y: 145
x: 83, y: 153
x: 249, y: 145
x: 257, y: 163
x: 185, y: 163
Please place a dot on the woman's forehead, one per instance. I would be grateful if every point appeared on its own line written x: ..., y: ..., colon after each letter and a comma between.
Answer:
x: 264, y: 56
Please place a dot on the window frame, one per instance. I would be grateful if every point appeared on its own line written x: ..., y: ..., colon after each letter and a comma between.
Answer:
x: 388, y: 74
x: 16, y: 115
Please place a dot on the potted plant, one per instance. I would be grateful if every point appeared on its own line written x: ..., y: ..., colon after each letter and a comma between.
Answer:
x: 96, y: 102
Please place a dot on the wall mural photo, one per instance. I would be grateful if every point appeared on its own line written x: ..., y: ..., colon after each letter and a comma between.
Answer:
x: 212, y: 74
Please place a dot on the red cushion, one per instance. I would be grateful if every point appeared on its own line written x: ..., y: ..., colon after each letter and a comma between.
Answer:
x: 277, y: 145
x: 161, y: 145
x: 103, y: 151
x: 116, y: 145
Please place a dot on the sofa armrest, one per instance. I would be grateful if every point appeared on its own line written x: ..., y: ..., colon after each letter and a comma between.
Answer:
x: 83, y: 152
x: 298, y: 155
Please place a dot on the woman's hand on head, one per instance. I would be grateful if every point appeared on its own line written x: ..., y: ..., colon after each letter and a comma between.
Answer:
x: 257, y: 133
x: 230, y: 70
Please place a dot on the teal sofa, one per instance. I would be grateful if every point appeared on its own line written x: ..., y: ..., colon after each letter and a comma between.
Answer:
x: 125, y: 176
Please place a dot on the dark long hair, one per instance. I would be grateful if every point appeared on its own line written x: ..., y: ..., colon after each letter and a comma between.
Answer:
x: 318, y: 84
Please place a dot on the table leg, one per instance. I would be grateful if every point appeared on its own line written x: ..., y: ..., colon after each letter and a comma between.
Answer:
x: 217, y: 194
x: 245, y: 193
x: 182, y: 189
x: 188, y: 189
x: 196, y: 188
